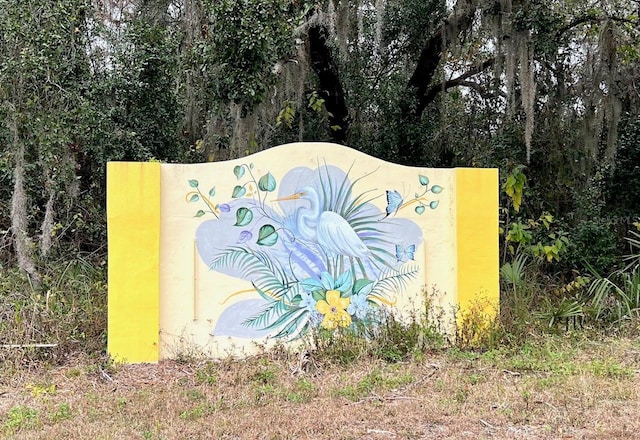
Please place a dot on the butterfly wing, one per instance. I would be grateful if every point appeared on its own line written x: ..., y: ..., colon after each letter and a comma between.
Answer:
x: 405, y: 253
x: 411, y: 252
x: 394, y: 201
x: 399, y: 252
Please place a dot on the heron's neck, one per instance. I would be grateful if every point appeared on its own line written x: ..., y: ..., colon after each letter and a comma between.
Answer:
x: 307, y: 223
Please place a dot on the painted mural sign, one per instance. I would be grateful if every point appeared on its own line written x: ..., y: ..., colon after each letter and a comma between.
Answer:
x: 294, y: 239
x: 321, y: 254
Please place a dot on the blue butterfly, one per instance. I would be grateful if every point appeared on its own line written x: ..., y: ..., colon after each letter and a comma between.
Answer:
x: 405, y: 253
x: 394, y: 201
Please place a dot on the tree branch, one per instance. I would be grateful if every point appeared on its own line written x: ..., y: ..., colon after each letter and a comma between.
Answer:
x: 418, y: 93
x: 458, y: 21
x: 433, y: 91
x: 590, y: 18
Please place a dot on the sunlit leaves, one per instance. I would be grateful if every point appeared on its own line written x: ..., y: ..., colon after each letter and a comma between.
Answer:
x: 286, y: 115
x: 514, y: 186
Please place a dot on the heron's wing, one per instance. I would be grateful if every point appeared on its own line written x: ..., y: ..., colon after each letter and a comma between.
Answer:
x: 337, y: 236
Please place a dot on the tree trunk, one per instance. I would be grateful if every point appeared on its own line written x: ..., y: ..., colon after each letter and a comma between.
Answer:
x: 418, y: 94
x: 193, y: 121
x: 331, y: 90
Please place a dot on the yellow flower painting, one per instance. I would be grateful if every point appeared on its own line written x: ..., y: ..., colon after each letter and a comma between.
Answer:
x: 334, y: 310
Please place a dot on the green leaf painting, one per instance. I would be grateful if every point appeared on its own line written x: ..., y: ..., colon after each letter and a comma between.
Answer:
x: 292, y: 248
x: 267, y: 183
x: 267, y: 236
x: 238, y: 191
x: 243, y: 217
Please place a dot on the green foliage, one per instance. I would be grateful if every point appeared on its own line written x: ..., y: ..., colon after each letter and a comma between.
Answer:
x: 519, y: 297
x: 514, y: 186
x: 343, y: 346
x: 593, y: 243
x: 564, y: 311
x: 20, y: 418
x: 61, y: 413
x: 617, y: 296
x: 44, y: 82
x: 513, y: 272
x: 286, y: 115
x: 542, y: 238
x: 543, y: 21
x: 207, y: 374
x: 477, y: 327
x: 69, y: 309
x: 303, y: 391
x: 396, y: 340
x: 537, y: 238
x: 243, y: 43
x: 157, y: 84
x: 623, y: 184
x: 393, y: 340
x: 373, y: 381
x: 140, y: 93
x: 407, y: 21
x: 264, y: 376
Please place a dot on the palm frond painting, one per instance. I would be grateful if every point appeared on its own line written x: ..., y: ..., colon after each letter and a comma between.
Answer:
x: 314, y: 249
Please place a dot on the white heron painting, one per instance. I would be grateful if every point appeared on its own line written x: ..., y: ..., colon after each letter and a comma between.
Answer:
x: 314, y: 247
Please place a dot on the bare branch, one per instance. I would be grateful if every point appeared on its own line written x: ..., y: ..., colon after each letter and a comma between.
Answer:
x: 590, y: 18
x: 433, y: 91
x: 459, y: 20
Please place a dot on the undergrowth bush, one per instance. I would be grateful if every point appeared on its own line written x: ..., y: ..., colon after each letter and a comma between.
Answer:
x: 66, y: 309
x: 592, y: 244
x: 394, y: 339
x: 616, y: 298
x: 477, y: 327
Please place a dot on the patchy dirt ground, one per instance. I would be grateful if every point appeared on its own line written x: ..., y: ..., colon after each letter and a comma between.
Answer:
x: 550, y: 389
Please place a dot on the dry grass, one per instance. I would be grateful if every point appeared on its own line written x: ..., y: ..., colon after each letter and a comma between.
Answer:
x: 555, y: 387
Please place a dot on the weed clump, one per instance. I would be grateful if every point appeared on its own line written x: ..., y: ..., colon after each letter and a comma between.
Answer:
x: 64, y: 314
x: 393, y: 339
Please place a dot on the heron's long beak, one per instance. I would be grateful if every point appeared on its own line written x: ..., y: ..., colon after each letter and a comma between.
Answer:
x: 295, y: 196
